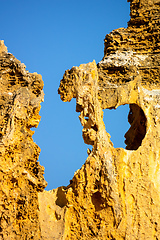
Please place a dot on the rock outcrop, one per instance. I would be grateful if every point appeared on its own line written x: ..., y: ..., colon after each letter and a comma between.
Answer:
x: 21, y: 176
x: 116, y: 193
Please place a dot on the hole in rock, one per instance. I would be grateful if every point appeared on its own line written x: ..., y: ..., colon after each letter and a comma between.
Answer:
x: 61, y: 198
x: 126, y: 125
x: 98, y: 201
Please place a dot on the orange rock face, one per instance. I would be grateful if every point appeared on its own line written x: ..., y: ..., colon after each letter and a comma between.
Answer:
x: 116, y: 193
x: 20, y: 174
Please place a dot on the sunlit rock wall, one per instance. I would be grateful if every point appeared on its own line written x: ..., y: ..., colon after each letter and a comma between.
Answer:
x: 21, y: 177
x: 116, y: 193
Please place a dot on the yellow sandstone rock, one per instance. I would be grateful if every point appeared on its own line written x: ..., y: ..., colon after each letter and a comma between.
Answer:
x: 116, y: 193
x: 21, y: 176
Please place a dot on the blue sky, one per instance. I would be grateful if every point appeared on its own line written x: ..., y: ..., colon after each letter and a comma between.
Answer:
x: 49, y: 37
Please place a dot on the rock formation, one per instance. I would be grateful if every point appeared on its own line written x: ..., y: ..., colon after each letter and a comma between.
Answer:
x: 21, y: 176
x: 116, y: 193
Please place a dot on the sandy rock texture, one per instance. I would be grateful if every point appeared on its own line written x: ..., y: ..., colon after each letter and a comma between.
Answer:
x: 116, y: 193
x: 21, y: 176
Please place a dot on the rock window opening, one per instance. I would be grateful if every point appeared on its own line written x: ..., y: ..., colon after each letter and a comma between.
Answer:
x: 127, y: 130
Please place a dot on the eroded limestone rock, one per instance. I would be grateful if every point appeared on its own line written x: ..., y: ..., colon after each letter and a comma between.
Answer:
x: 21, y: 176
x: 116, y: 193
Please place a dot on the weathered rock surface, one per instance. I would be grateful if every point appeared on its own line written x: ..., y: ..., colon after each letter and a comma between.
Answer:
x: 21, y: 176
x: 116, y: 193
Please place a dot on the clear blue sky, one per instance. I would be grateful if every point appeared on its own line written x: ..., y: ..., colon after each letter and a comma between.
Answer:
x: 49, y: 37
